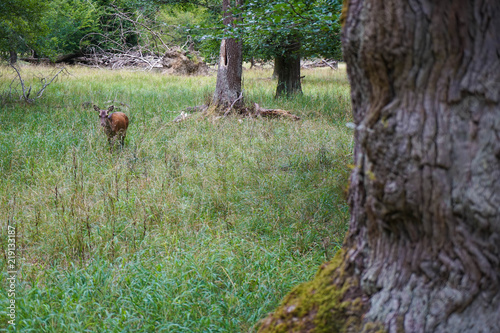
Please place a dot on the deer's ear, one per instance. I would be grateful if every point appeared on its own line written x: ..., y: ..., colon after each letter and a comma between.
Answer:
x: 96, y: 108
x: 111, y: 108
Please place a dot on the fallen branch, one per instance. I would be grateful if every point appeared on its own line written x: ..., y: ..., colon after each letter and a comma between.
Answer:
x: 232, y: 105
x: 33, y: 60
x: 334, y: 67
x: 26, y: 91
x: 254, y: 110
x: 45, y: 85
x: 274, y: 113
x: 66, y: 58
x: 25, y: 94
x: 333, y: 64
x: 136, y: 22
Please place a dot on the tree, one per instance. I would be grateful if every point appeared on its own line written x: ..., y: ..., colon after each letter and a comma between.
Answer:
x: 104, y: 26
x: 286, y: 30
x: 64, y: 29
x: 422, y: 252
x: 228, y: 92
x: 20, y: 26
x: 69, y: 21
x: 287, y: 64
x: 194, y: 21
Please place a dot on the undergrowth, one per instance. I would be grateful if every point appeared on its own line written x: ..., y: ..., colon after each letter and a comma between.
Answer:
x: 197, y: 226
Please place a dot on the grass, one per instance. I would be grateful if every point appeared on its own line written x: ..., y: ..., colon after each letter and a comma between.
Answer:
x: 198, y: 226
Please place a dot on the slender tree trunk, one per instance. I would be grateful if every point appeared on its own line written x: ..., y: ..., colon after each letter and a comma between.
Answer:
x: 228, y: 87
x: 287, y: 66
x: 423, y: 249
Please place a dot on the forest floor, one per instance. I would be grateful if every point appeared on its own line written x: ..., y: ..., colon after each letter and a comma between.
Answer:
x: 195, y: 226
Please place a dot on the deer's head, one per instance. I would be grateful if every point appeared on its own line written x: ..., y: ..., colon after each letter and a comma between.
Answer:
x: 104, y: 114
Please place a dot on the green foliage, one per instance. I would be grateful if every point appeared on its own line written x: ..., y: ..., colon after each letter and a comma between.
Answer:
x: 114, y: 29
x: 58, y: 27
x: 197, y: 226
x: 188, y: 26
x: 213, y: 6
x: 68, y: 22
x: 268, y: 27
x: 21, y: 24
x: 66, y: 26
x: 192, y: 24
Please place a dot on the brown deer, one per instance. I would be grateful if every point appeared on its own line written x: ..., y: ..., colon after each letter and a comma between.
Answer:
x: 115, y: 124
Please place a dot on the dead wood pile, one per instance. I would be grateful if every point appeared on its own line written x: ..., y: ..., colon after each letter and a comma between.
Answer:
x: 174, y: 61
x: 333, y: 64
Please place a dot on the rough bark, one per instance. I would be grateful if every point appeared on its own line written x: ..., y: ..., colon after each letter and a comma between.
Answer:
x: 228, y: 87
x: 423, y: 249
x: 287, y: 66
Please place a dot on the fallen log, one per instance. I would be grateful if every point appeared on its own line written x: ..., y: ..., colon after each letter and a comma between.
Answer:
x: 273, y: 113
x: 66, y: 58
x: 32, y: 60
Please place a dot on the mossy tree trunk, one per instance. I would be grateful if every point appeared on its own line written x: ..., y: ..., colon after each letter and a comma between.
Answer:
x: 228, y: 87
x: 423, y: 249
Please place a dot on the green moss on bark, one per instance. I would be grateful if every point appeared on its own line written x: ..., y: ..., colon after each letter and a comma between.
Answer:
x: 345, y: 9
x: 331, y: 302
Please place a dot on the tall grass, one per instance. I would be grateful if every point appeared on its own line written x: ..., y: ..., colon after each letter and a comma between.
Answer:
x: 198, y: 226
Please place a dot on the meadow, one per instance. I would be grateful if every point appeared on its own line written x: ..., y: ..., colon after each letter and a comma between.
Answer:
x: 198, y: 226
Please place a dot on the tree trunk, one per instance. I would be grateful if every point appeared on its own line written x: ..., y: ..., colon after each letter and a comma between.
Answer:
x: 228, y: 87
x: 276, y: 70
x: 287, y: 66
x: 423, y: 249
x: 12, y: 57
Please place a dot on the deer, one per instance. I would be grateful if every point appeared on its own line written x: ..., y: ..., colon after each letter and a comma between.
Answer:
x: 115, y: 124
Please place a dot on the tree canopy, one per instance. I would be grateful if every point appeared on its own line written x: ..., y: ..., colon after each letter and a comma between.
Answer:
x: 53, y: 28
x: 269, y: 25
x: 21, y: 24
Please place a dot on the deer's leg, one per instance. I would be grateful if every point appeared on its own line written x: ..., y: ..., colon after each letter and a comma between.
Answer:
x: 112, y: 141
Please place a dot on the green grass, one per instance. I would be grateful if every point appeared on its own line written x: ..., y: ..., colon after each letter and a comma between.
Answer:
x: 198, y: 226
